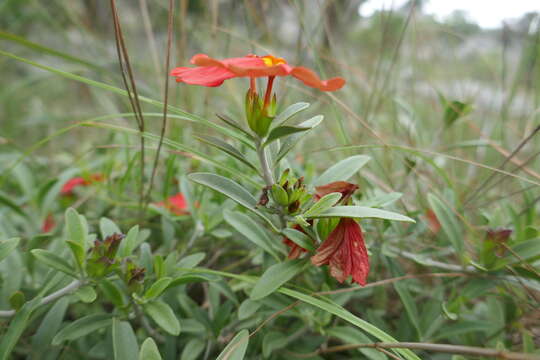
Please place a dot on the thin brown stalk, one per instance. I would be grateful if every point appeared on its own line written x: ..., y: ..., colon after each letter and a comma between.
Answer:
x: 131, y: 89
x: 170, y: 24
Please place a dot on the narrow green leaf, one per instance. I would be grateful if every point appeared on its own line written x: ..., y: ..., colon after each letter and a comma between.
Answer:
x: 299, y: 238
x: 343, y: 170
x: 350, y: 335
x: 282, y: 131
x: 149, y: 350
x: 449, y: 222
x: 163, y: 315
x: 409, y: 304
x: 275, y: 276
x: 157, y: 288
x: 82, y: 327
x: 16, y: 327
x: 327, y: 201
x: 289, y: 112
x: 226, y: 148
x: 54, y: 261
x: 77, y: 251
x: 49, y: 326
x: 193, y: 349
x: 125, y: 344
x: 7, y: 246
x: 248, y: 308
x: 251, y: 230
x: 75, y: 227
x: 108, y: 227
x: 294, y: 139
x: 6, y: 201
x: 234, y: 124
x: 361, y: 212
x: 236, y: 348
x: 129, y: 243
x: 230, y: 189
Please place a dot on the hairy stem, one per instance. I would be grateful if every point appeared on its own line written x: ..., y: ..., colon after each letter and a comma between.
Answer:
x: 68, y: 289
x: 263, y: 159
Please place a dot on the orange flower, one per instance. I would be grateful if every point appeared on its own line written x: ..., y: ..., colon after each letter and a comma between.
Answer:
x: 344, y: 251
x: 72, y: 183
x: 212, y: 72
x: 176, y: 204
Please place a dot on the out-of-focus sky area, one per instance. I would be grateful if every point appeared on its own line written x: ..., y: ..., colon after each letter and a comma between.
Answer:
x: 486, y: 13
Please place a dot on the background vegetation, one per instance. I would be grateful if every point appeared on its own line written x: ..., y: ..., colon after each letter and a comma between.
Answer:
x: 447, y: 111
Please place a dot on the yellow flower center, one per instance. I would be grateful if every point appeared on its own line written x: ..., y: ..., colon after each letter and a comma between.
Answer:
x: 270, y: 60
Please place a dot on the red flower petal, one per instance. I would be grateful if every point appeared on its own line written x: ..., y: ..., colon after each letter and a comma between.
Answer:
x: 309, y: 78
x: 176, y: 204
x: 212, y: 72
x: 206, y: 76
x: 345, y: 252
x: 72, y: 183
x: 48, y: 224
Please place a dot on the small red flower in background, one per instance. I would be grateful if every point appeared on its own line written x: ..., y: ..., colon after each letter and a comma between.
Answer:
x: 345, y: 188
x: 344, y: 251
x: 72, y: 183
x: 176, y: 204
x: 433, y: 223
x: 212, y: 72
x: 48, y: 224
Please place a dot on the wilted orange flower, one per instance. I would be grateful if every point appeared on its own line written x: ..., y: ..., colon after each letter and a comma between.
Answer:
x: 345, y: 188
x: 72, y: 183
x: 176, y: 204
x: 212, y: 72
x: 344, y: 251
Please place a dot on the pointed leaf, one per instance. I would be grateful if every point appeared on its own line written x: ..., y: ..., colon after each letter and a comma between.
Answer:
x: 289, y: 112
x: 343, y: 170
x: 82, y: 327
x: 157, y: 288
x: 283, y: 131
x: 226, y: 148
x: 292, y: 140
x: 149, y: 350
x: 299, y: 238
x: 7, y: 246
x: 54, y: 261
x: 361, y: 212
x: 163, y: 315
x: 236, y: 348
x: 275, y: 276
x: 327, y: 201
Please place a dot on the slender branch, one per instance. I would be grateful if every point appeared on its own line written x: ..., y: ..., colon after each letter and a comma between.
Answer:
x: 74, y: 285
x: 441, y: 348
x: 263, y: 159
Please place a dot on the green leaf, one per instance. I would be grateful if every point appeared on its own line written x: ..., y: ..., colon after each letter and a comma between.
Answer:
x: 327, y: 305
x: 75, y: 228
x: 289, y: 112
x: 282, y: 131
x: 453, y: 110
x: 226, y: 148
x: 327, y: 201
x: 77, y: 251
x: 129, y: 243
x: 236, y: 348
x: 163, y: 315
x: 54, y: 261
x: 273, y: 340
x: 7, y: 246
x: 16, y: 327
x: 82, y: 327
x: 191, y: 261
x: 149, y: 350
x: 17, y: 300
x: 350, y: 335
x: 409, y: 304
x: 449, y: 222
x: 157, y: 288
x: 112, y: 292
x: 294, y: 139
x: 232, y: 123
x: 251, y: 230
x: 87, y: 294
x: 49, y: 327
x: 230, y: 189
x: 361, y: 212
x: 125, y: 344
x: 193, y: 349
x: 343, y: 170
x: 6, y: 201
x: 108, y: 227
x: 299, y: 238
x: 275, y: 276
x: 248, y: 308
